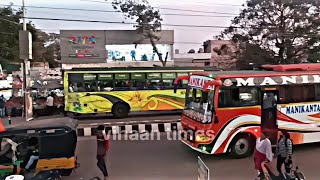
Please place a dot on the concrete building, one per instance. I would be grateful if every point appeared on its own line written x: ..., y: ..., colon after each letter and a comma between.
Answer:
x: 114, y: 47
x: 192, y: 59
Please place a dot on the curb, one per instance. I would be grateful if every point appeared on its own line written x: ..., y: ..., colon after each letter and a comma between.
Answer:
x: 131, y: 129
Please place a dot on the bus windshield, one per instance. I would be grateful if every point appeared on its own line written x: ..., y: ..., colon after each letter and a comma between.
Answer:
x: 199, y: 103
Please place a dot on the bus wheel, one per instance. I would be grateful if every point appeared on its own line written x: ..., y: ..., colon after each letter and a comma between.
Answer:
x: 120, y: 110
x: 242, y: 146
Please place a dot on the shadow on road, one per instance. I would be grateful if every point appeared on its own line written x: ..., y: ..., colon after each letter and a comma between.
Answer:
x: 131, y: 115
x: 303, y: 148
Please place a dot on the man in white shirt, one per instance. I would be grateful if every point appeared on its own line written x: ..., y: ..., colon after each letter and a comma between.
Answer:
x: 50, y: 104
x: 263, y: 151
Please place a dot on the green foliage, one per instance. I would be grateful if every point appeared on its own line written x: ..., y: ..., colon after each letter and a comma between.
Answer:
x: 148, y: 20
x: 9, y: 38
x: 287, y: 30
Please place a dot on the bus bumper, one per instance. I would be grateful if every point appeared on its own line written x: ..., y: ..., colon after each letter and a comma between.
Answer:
x: 196, y: 149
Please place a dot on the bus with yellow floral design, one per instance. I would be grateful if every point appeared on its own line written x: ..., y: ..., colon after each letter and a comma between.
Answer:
x: 123, y: 90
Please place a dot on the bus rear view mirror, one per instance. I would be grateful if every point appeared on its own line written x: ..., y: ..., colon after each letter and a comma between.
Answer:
x: 175, y: 88
x: 216, y: 120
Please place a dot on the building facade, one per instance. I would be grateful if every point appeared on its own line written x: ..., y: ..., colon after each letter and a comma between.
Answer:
x: 113, y: 47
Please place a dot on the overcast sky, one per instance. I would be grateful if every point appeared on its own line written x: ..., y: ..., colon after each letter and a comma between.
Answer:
x: 186, y: 37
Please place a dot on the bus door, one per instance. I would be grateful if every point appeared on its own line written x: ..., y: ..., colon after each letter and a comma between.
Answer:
x: 269, y: 124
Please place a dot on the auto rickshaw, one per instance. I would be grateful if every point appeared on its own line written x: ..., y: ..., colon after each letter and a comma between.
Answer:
x: 54, y: 140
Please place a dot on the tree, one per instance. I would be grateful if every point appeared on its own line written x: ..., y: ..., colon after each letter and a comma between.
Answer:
x: 251, y: 55
x: 224, y: 56
x: 147, y: 18
x: 9, y: 34
x: 9, y: 38
x: 286, y: 29
x: 53, y: 52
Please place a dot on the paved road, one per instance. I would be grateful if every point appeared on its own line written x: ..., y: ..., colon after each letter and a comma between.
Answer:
x: 100, y: 119
x: 164, y: 159
x: 138, y: 116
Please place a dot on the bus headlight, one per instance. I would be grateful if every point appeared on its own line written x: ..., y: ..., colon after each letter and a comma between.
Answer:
x: 202, y: 138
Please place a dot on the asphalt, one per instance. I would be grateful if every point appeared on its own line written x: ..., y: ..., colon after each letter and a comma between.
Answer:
x: 133, y: 118
x: 170, y: 159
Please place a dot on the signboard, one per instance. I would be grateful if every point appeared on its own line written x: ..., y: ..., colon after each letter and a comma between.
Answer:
x: 25, y: 45
x: 198, y: 81
x: 203, y: 170
x: 141, y: 52
x: 51, y: 74
x: 96, y: 46
x: 270, y: 81
x: 82, y: 46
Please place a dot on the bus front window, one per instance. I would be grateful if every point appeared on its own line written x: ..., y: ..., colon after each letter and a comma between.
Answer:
x: 199, y: 104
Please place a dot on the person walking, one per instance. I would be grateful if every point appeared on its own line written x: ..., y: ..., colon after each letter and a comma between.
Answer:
x: 50, y: 101
x: 262, y: 152
x: 2, y: 106
x: 103, y: 146
x: 284, y: 152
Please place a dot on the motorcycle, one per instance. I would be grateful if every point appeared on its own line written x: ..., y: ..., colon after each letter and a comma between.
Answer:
x: 269, y: 175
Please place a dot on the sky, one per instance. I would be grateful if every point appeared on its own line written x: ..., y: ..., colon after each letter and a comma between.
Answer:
x: 218, y: 13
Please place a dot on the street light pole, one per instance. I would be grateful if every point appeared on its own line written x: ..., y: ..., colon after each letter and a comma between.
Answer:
x: 24, y: 67
x: 24, y: 15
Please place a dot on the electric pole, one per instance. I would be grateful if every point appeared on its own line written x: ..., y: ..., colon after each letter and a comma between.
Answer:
x: 25, y: 55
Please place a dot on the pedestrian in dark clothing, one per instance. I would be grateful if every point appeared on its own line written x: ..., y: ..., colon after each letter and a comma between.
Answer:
x: 102, y: 149
x: 284, y: 152
x: 2, y: 106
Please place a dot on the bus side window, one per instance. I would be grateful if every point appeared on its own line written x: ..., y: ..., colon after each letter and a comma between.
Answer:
x: 238, y: 97
x: 168, y: 80
x: 167, y: 84
x: 153, y: 81
x: 138, y: 81
x: 105, y: 85
x: 75, y: 82
x: 317, y: 92
x: 105, y: 82
x: 90, y: 82
x: 300, y: 93
x: 122, y: 82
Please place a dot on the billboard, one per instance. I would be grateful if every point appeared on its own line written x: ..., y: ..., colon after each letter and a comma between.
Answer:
x: 141, y: 52
x: 100, y: 46
x: 82, y: 47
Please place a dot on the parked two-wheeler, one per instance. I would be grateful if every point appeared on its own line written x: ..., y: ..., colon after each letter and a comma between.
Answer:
x: 269, y: 175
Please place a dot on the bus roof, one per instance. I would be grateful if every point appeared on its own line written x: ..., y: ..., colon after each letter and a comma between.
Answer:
x: 267, y: 70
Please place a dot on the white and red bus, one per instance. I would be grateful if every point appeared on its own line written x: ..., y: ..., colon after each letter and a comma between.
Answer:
x: 225, y: 111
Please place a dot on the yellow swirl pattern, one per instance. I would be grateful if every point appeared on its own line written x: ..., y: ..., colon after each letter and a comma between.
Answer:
x: 137, y: 100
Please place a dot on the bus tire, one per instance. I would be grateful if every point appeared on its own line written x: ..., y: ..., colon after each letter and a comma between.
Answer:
x: 242, y: 146
x: 120, y: 110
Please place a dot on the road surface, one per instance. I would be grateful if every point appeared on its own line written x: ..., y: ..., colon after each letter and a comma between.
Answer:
x: 170, y: 159
x: 137, y: 116
x: 101, y: 119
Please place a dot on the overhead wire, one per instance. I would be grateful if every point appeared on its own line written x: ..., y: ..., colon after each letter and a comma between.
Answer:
x: 109, y: 11
x: 118, y: 22
x: 164, y: 8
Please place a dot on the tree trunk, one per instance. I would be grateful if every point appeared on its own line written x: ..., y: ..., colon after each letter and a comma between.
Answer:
x: 163, y: 62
